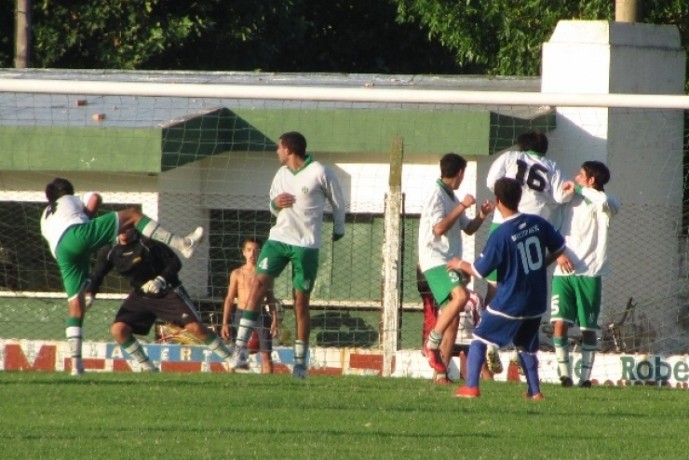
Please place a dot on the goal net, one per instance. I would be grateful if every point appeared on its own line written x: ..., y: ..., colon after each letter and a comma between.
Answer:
x: 191, y: 151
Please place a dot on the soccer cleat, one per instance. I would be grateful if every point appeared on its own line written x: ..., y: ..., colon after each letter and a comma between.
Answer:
x: 585, y: 384
x: 536, y: 397
x: 493, y: 360
x: 467, y: 392
x: 566, y: 381
x: 434, y: 359
x: 299, y: 371
x: 238, y: 360
x: 148, y: 367
x: 191, y: 241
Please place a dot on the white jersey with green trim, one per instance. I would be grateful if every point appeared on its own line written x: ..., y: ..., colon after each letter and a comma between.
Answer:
x: 586, y: 220
x: 312, y: 185
x: 68, y: 210
x: 438, y: 250
x: 541, y: 180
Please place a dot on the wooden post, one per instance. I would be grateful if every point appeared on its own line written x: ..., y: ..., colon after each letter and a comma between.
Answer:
x: 392, y: 259
x: 628, y: 11
x: 22, y: 34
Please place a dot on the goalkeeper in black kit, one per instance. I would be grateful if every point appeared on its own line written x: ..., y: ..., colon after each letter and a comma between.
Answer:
x: 152, y: 270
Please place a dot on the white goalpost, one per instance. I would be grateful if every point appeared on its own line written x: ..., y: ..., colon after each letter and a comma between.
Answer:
x: 367, y: 94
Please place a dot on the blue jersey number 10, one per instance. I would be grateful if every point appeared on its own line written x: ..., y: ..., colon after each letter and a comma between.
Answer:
x: 530, y: 254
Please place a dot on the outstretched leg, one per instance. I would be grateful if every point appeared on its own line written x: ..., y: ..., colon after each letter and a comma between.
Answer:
x: 150, y: 228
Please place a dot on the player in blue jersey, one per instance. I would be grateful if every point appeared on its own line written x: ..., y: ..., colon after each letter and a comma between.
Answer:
x: 520, y: 250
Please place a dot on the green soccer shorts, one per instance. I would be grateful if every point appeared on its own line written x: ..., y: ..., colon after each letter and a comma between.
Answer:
x: 442, y: 282
x: 275, y: 256
x: 576, y: 300
x: 78, y: 242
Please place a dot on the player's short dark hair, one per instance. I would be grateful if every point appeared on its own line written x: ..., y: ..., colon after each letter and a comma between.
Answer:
x: 250, y: 240
x: 509, y: 192
x: 533, y: 140
x: 451, y: 164
x: 599, y: 171
x: 58, y: 188
x: 295, y: 142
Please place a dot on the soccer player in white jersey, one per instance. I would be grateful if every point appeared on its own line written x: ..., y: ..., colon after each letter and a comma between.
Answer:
x: 442, y: 221
x: 541, y: 180
x: 540, y: 177
x: 73, y: 235
x: 577, y: 281
x: 298, y: 195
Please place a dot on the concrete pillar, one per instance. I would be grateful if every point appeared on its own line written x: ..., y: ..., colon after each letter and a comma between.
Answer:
x: 642, y: 147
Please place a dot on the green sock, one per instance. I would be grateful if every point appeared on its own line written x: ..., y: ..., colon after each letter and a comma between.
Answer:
x: 434, y: 339
x: 562, y: 355
x: 134, y: 348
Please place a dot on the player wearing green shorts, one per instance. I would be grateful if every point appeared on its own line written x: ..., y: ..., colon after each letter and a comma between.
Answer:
x: 73, y: 234
x: 298, y: 195
x: 443, y: 218
x: 577, y: 281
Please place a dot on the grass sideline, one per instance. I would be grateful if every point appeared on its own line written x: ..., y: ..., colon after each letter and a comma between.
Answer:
x: 220, y: 416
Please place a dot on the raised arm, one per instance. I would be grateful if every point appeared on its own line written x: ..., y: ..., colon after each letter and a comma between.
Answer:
x: 606, y: 203
x: 448, y: 221
x: 486, y: 208
x: 92, y: 202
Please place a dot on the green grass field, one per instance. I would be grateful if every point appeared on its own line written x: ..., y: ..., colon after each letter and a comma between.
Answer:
x: 218, y: 416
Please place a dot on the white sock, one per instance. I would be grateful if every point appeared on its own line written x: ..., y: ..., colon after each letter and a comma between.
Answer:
x: 562, y: 355
x: 218, y: 346
x: 154, y: 231
x: 74, y: 338
x: 588, y: 355
x: 301, y: 348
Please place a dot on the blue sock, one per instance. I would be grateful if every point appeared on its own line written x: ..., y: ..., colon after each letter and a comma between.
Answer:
x: 530, y: 365
x: 475, y: 359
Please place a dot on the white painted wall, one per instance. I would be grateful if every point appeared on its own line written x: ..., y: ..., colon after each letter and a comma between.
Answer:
x: 242, y: 181
x: 643, y: 149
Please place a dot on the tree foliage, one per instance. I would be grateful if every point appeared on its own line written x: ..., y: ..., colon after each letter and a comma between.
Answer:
x: 107, y: 33
x: 290, y: 35
x: 505, y: 37
x: 499, y: 37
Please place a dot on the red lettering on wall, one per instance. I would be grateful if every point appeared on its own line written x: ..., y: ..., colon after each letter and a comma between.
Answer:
x: 15, y: 359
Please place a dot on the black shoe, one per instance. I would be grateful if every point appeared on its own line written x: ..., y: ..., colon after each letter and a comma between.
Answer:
x: 585, y: 384
x: 567, y: 381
